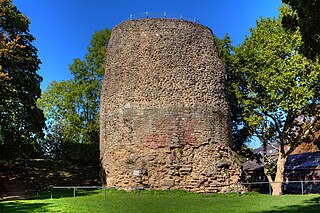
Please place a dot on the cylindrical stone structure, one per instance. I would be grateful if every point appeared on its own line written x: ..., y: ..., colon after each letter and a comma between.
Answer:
x: 164, y: 118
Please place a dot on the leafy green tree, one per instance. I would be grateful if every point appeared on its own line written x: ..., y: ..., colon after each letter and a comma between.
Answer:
x: 305, y: 14
x: 72, y: 108
x: 279, y: 92
x: 240, y: 131
x: 21, y: 121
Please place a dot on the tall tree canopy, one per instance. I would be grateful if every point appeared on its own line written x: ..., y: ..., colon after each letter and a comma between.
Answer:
x: 71, y: 107
x: 240, y: 131
x: 279, y: 91
x: 305, y: 14
x: 21, y: 121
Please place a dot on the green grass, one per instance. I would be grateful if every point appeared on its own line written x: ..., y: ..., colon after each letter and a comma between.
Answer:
x: 161, y: 201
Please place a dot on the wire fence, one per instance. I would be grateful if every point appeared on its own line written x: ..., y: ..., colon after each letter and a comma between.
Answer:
x: 17, y: 189
x: 163, y: 15
x: 75, y: 188
x: 288, y: 187
x: 57, y: 192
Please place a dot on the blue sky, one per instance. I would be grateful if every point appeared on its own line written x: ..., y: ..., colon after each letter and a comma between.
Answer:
x: 63, y: 28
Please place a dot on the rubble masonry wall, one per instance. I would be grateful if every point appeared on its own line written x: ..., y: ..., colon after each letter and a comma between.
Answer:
x: 164, y: 111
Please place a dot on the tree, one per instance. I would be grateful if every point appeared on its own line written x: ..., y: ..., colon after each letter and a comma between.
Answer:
x: 21, y: 121
x: 305, y: 14
x: 279, y: 92
x: 72, y: 108
x: 239, y: 128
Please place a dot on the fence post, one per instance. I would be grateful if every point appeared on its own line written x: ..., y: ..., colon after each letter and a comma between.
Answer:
x: 51, y: 187
x: 301, y: 187
x: 237, y: 188
x: 74, y: 193
x: 270, y: 189
x: 170, y: 192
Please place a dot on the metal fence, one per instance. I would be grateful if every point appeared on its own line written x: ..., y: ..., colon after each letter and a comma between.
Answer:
x: 75, y: 188
x: 76, y: 200
x: 288, y: 187
x: 163, y: 15
x: 75, y: 191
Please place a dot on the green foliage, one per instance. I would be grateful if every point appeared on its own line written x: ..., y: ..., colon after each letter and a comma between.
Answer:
x: 279, y: 84
x: 305, y: 15
x: 239, y: 127
x: 21, y: 121
x: 72, y: 108
x: 279, y: 90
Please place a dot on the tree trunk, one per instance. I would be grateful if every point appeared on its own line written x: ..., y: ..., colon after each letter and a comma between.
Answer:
x: 277, y: 183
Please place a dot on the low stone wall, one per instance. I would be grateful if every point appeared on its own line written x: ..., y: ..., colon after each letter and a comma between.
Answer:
x: 164, y: 116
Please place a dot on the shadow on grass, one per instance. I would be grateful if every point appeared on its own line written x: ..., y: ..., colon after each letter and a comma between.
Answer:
x: 312, y: 205
x: 18, y: 206
x: 9, y: 207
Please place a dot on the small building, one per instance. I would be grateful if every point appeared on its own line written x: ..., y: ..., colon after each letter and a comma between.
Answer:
x: 299, y: 167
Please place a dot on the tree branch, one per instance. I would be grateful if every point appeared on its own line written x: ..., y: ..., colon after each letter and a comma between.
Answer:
x: 302, y: 135
x: 270, y: 144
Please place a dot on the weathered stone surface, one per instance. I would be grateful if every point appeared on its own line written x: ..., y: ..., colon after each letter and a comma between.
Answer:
x: 167, y: 182
x: 223, y: 164
x: 185, y: 169
x: 164, y: 110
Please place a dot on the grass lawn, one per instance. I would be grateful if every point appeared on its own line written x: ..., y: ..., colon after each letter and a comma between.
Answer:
x: 161, y: 201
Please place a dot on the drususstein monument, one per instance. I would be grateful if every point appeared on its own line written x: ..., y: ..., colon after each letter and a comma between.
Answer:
x: 164, y: 115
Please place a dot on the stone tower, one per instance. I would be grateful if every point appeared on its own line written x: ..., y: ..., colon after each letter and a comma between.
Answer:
x: 164, y: 115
